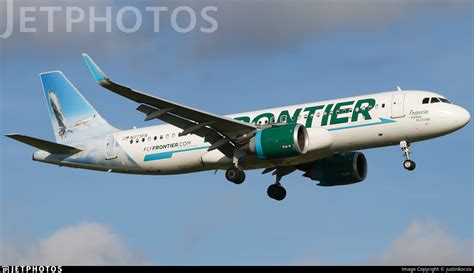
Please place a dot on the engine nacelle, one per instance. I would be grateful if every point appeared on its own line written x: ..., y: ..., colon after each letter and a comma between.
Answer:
x: 280, y: 141
x: 340, y: 169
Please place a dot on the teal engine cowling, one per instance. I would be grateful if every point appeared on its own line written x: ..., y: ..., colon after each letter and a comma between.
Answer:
x: 339, y: 169
x: 280, y: 141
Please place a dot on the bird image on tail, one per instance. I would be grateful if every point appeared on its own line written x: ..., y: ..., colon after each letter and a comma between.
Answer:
x: 71, y: 114
x: 58, y: 113
x: 63, y: 126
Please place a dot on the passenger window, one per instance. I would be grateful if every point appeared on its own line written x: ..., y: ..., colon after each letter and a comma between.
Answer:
x: 173, y: 135
x: 426, y: 100
x: 383, y: 105
x: 167, y: 136
x: 131, y: 141
x: 137, y: 140
x: 143, y: 139
x: 434, y: 100
x: 161, y: 137
x: 155, y: 138
x: 283, y: 119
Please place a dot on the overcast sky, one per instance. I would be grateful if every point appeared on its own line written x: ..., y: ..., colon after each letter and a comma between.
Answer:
x: 263, y: 54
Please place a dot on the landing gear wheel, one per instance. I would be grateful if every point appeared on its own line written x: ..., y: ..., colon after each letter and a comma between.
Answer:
x: 409, y: 165
x: 241, y: 178
x: 276, y: 192
x: 235, y: 175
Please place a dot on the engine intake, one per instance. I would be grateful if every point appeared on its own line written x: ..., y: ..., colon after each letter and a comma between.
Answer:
x: 340, y: 169
x: 280, y: 141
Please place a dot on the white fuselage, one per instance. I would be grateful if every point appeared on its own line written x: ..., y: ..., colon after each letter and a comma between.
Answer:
x: 393, y: 117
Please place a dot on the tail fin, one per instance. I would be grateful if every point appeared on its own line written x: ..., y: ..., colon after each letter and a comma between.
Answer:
x: 71, y: 114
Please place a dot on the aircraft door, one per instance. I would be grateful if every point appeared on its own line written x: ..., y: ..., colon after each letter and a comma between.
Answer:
x: 110, y: 151
x: 398, y: 101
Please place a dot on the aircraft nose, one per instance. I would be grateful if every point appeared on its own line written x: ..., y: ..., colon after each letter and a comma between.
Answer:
x: 461, y: 117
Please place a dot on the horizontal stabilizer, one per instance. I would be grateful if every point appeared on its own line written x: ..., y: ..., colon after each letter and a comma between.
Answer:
x: 44, y: 145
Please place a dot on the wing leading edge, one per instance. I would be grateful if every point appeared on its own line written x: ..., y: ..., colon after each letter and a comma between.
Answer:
x: 220, y: 131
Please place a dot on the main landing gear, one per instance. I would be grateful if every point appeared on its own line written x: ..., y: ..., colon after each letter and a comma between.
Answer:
x: 276, y: 191
x: 235, y: 175
x: 407, y: 164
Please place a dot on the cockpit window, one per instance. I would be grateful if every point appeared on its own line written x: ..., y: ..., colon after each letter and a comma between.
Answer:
x: 444, y: 100
x: 434, y: 100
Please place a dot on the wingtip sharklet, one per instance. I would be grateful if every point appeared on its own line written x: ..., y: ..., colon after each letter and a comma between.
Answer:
x: 95, y: 70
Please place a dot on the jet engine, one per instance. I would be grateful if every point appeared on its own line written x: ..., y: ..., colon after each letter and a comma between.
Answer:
x: 337, y: 170
x: 280, y: 141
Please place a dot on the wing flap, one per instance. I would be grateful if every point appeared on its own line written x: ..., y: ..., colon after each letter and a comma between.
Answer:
x: 209, y: 134
x: 50, y: 147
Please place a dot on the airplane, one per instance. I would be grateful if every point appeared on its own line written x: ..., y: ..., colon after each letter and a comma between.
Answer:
x: 320, y: 139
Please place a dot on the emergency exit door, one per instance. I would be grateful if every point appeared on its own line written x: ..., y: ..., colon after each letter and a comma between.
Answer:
x: 110, y: 149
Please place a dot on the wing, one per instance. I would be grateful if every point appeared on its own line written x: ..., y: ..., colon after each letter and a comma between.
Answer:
x: 221, y: 132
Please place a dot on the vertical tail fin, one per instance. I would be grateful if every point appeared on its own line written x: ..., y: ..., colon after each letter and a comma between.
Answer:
x: 71, y: 114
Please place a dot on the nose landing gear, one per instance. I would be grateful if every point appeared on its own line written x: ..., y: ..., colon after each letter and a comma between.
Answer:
x: 407, y: 164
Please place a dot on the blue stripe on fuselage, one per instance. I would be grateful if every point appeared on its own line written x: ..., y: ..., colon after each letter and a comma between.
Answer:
x: 165, y: 155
